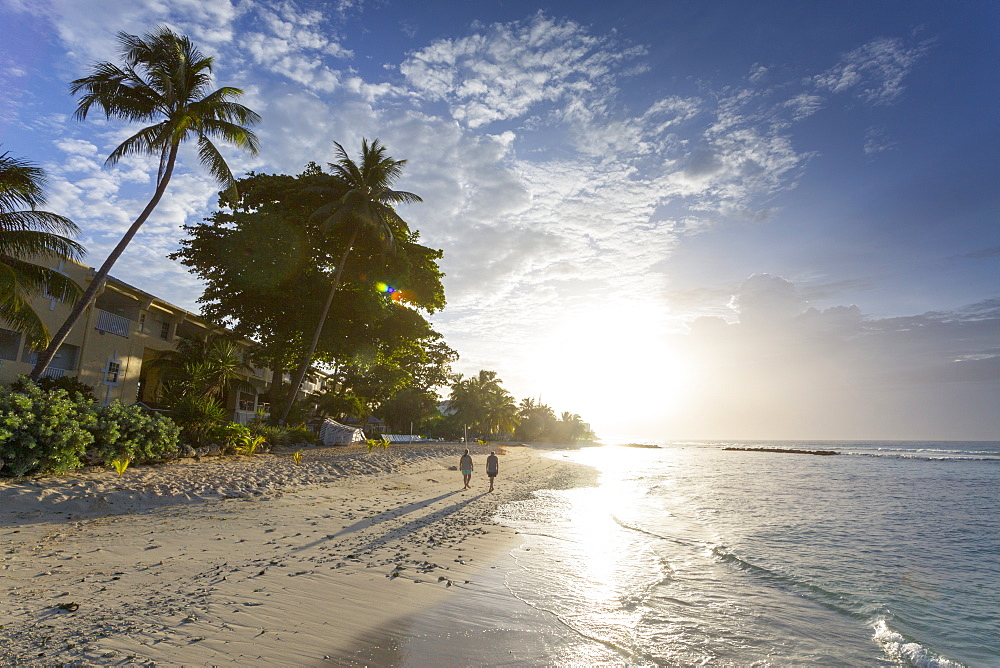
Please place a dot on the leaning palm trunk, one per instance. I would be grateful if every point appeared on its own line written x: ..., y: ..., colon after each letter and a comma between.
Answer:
x: 165, y: 79
x: 95, y: 285
x: 300, y: 374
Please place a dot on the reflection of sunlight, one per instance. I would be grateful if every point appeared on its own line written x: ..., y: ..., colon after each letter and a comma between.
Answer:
x: 598, y: 534
x: 610, y: 362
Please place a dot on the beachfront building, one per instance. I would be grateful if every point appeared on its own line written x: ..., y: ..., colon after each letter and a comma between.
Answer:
x: 115, y: 338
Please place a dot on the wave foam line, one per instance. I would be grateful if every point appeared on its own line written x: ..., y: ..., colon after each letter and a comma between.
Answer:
x: 911, y: 653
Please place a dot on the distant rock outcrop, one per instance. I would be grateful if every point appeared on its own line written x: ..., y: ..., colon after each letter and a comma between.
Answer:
x: 787, y: 451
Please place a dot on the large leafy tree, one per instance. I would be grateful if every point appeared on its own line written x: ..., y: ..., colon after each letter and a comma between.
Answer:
x: 270, y: 228
x: 361, y: 203
x: 166, y: 80
x: 399, y: 387
x: 26, y: 235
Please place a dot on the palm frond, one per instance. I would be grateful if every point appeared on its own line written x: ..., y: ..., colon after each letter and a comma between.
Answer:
x: 22, y: 183
x: 212, y: 160
x: 25, y: 243
x: 21, y: 318
x: 149, y: 140
x: 233, y: 133
x: 398, y: 197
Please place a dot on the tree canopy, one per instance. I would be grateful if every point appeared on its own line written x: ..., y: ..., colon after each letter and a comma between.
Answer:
x: 267, y: 262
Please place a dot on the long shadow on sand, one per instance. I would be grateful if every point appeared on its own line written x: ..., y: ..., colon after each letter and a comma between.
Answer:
x: 403, y: 530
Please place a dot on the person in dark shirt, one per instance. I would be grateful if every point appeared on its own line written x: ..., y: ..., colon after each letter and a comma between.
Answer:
x: 492, y: 467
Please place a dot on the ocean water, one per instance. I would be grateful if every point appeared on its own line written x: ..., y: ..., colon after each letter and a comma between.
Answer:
x: 688, y: 554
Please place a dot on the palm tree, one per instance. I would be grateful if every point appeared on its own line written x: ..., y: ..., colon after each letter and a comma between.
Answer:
x: 209, y: 367
x: 28, y: 234
x: 166, y: 79
x: 537, y: 419
x: 197, y: 376
x: 482, y: 403
x: 361, y: 204
x: 501, y: 412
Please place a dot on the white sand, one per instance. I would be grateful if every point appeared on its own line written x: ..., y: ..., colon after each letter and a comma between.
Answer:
x: 258, y: 561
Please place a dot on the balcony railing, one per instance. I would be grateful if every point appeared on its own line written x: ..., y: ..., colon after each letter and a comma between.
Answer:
x: 52, y: 372
x: 115, y: 324
x: 244, y: 417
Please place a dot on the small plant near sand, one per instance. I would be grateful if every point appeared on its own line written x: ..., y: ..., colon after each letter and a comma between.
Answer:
x: 373, y: 443
x: 248, y: 445
x: 232, y: 436
x: 120, y: 465
x: 482, y: 442
x: 297, y: 457
x: 300, y: 434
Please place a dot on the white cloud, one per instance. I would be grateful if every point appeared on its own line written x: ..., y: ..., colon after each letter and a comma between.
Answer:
x: 874, y: 72
x: 877, y: 142
x: 509, y: 69
x: 785, y: 370
x: 804, y: 105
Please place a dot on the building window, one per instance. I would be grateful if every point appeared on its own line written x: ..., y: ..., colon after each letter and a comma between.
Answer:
x: 248, y: 402
x: 142, y: 323
x: 165, y: 331
x: 112, y: 372
x: 65, y: 358
x: 10, y: 344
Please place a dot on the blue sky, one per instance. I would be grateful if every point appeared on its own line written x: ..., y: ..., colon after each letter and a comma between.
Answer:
x: 678, y: 219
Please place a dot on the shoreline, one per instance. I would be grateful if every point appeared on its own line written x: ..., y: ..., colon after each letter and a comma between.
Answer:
x: 259, y: 562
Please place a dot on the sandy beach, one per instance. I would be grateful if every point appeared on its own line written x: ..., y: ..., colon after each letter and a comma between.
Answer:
x: 350, y: 558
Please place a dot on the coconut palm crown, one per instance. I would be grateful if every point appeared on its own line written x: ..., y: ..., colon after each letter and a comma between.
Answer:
x: 361, y: 202
x: 28, y: 235
x: 164, y: 79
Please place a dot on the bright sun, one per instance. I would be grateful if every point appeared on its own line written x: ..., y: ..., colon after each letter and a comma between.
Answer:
x: 609, y: 364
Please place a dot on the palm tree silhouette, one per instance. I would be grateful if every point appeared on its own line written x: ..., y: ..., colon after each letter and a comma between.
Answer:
x: 164, y: 78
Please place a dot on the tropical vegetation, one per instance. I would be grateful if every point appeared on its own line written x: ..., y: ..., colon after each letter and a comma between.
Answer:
x: 55, y: 431
x: 480, y: 407
x: 28, y: 236
x: 196, y: 377
x: 164, y: 79
x: 312, y: 271
x: 360, y: 203
x: 312, y: 252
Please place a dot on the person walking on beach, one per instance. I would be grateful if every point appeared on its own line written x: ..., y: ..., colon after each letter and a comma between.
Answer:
x: 465, y: 465
x: 492, y: 467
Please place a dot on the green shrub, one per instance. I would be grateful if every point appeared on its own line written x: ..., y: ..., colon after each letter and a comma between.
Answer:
x: 68, y: 383
x: 129, y: 432
x: 300, y: 434
x: 273, y: 434
x: 232, y: 435
x: 43, y: 431
x: 198, y: 417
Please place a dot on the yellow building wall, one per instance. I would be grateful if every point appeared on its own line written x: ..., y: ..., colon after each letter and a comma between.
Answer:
x: 125, y: 326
